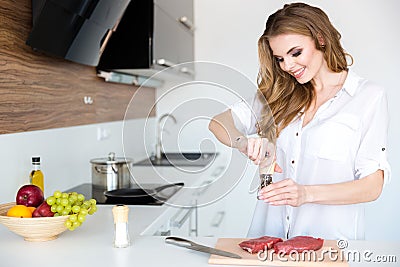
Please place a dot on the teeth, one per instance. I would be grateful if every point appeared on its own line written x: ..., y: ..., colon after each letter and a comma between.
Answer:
x: 298, y: 72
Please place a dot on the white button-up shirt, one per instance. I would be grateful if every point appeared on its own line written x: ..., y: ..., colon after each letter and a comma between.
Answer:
x: 346, y: 140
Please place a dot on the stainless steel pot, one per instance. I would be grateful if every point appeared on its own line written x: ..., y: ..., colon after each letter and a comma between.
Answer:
x: 111, y: 173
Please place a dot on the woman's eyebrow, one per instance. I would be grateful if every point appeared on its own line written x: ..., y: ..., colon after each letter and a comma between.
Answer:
x: 288, y: 52
x: 291, y: 49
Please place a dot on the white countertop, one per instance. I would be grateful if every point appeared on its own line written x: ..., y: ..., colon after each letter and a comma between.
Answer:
x: 91, y: 245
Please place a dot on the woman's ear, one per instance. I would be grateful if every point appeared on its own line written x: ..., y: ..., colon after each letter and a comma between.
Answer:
x: 321, y: 40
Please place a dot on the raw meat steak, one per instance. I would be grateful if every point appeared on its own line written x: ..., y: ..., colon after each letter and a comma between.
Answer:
x: 259, y: 244
x: 299, y: 244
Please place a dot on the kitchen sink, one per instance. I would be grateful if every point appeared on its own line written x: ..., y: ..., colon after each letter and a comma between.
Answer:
x: 196, y: 159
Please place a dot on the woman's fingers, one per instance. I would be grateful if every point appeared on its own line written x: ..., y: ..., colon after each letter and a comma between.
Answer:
x: 256, y: 144
x: 263, y: 151
x: 250, y: 147
x: 277, y: 188
x: 256, y: 149
x: 285, y: 192
x: 278, y: 168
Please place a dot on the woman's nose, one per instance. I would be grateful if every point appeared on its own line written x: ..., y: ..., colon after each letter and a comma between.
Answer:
x: 288, y: 64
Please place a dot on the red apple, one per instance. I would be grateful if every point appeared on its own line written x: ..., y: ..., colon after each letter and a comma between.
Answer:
x: 44, y: 210
x: 30, y: 195
x: 36, y: 213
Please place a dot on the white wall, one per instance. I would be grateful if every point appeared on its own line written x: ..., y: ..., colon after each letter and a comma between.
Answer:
x: 65, y: 154
x: 227, y: 33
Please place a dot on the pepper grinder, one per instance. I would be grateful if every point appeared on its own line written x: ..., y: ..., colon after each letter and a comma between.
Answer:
x: 121, y: 234
x: 267, y: 167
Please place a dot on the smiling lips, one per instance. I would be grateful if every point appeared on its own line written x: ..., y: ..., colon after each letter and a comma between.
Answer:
x: 297, y: 74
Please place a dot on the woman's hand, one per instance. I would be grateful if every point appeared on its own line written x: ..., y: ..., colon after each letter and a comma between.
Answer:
x: 285, y: 192
x: 256, y: 149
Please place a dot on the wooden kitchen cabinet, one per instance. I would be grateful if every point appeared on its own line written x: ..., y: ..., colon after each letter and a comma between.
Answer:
x: 40, y: 92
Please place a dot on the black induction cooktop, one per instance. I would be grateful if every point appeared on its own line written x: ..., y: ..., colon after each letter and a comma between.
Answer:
x: 125, y: 196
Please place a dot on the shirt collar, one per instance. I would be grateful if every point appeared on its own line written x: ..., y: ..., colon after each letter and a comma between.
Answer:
x: 351, y: 83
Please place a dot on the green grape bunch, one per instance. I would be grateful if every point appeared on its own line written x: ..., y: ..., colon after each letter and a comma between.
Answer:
x: 72, y: 204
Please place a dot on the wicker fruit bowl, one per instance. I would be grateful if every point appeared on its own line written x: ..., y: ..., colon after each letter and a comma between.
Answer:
x: 33, y: 229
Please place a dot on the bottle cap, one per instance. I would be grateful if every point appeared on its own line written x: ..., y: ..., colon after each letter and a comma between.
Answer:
x: 35, y: 159
x: 120, y: 213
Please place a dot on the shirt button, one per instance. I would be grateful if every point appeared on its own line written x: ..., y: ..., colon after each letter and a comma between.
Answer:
x: 297, y: 134
x: 383, y: 149
x: 292, y: 161
x: 287, y: 218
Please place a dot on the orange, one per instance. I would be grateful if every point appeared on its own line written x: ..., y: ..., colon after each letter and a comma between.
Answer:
x: 19, y: 211
x: 32, y: 209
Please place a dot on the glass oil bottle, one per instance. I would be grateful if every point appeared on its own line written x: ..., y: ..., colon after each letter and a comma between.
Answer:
x: 36, y: 175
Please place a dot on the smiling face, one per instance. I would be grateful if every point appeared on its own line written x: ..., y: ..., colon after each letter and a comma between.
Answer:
x: 297, y: 55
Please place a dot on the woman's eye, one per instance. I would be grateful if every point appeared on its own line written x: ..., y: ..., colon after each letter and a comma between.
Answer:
x: 279, y: 59
x: 297, y: 53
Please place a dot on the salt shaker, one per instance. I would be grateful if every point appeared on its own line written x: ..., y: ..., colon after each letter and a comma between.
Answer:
x: 121, y: 234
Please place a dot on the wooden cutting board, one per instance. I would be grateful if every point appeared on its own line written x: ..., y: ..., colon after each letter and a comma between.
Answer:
x: 320, y: 258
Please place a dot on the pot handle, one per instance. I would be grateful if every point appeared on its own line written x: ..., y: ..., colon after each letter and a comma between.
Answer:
x: 103, y: 170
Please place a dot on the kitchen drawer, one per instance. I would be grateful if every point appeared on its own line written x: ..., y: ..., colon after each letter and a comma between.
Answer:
x: 212, y: 219
x: 184, y: 222
x: 175, y: 221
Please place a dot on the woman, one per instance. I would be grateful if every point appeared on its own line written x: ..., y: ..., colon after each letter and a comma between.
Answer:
x: 331, y: 130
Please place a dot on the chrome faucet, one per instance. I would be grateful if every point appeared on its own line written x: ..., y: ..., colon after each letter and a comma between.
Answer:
x: 159, y: 131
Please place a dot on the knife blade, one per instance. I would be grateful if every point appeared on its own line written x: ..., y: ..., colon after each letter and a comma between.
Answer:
x: 181, y: 242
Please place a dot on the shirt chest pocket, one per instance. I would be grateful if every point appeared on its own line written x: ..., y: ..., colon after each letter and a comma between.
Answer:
x: 334, y: 138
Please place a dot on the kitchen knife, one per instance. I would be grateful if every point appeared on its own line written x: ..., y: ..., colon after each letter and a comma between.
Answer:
x: 181, y: 242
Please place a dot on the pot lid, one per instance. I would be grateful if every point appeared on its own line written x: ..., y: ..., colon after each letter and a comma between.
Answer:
x: 111, y: 159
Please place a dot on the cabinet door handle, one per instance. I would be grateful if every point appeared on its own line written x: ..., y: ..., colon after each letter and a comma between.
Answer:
x: 217, y: 171
x: 187, y: 23
x: 178, y: 224
x: 165, y: 63
x: 194, y: 229
x: 164, y: 233
x: 218, y: 219
x: 204, y: 186
x: 187, y: 71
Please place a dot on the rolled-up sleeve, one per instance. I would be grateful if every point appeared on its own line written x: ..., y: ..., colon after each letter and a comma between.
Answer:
x: 246, y: 114
x: 372, y: 153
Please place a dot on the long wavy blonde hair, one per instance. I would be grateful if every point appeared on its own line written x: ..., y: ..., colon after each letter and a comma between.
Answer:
x: 286, y: 97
